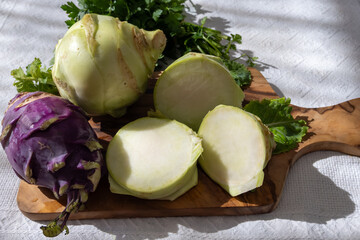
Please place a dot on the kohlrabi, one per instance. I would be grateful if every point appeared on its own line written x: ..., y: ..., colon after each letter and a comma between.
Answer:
x: 237, y: 147
x: 153, y: 158
x: 49, y: 142
x: 193, y: 85
x: 103, y: 64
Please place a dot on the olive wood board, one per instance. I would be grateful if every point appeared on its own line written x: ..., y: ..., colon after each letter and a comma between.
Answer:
x: 335, y: 128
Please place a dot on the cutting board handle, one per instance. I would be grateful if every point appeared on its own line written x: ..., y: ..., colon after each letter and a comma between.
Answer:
x: 334, y: 128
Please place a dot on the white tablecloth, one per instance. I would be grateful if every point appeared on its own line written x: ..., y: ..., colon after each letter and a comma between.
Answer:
x: 308, y: 50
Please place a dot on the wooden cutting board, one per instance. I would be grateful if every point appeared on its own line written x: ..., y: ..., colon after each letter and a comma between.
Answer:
x: 334, y: 128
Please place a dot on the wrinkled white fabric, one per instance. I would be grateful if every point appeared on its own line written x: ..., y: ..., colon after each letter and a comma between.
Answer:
x: 308, y: 50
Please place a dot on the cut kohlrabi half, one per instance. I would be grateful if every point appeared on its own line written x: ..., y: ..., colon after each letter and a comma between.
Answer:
x: 237, y: 147
x: 193, y: 85
x: 153, y: 158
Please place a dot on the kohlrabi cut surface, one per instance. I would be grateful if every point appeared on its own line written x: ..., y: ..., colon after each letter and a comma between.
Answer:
x: 193, y: 85
x: 237, y: 147
x: 153, y: 158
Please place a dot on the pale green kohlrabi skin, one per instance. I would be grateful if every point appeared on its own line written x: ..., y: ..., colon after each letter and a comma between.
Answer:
x: 192, y: 86
x: 153, y: 158
x: 237, y: 147
x: 103, y: 64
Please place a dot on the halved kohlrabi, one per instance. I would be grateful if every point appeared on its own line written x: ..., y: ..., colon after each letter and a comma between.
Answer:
x: 237, y: 147
x: 153, y: 158
x: 193, y: 85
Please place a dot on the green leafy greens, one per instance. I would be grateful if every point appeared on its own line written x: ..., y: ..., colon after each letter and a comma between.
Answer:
x: 183, y: 37
x: 148, y: 14
x: 168, y: 15
x: 239, y: 72
x: 276, y: 114
x: 36, y: 78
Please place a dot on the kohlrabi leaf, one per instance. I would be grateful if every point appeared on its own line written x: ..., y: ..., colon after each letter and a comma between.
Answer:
x: 276, y: 114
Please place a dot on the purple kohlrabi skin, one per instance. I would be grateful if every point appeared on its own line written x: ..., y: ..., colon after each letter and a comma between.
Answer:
x: 49, y: 142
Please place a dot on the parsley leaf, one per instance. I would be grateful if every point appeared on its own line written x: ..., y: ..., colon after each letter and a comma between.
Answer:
x: 35, y: 79
x: 73, y: 12
x: 239, y: 72
x: 276, y: 114
x: 166, y: 15
x: 156, y: 15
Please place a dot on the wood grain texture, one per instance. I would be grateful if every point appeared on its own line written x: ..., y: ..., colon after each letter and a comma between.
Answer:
x: 330, y: 128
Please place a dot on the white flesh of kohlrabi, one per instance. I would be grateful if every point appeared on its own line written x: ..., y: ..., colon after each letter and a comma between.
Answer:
x: 153, y: 158
x: 193, y: 85
x: 236, y: 146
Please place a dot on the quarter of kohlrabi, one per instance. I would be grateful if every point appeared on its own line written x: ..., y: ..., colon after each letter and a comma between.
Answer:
x: 237, y: 147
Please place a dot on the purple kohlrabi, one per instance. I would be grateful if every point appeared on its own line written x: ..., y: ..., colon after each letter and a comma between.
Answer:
x: 49, y: 142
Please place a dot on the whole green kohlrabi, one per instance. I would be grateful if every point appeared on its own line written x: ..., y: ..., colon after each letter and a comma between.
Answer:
x: 102, y: 64
x: 49, y: 142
